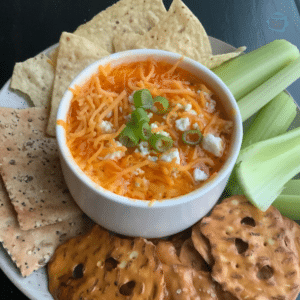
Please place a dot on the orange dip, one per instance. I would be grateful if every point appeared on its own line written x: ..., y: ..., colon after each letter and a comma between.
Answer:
x: 101, y: 108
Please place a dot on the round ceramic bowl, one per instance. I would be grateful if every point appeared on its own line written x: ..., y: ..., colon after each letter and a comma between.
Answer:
x: 136, y: 217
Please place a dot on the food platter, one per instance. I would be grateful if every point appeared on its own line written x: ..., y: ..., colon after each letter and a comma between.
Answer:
x: 35, y: 285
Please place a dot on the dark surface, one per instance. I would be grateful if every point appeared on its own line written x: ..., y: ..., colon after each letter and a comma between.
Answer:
x: 28, y: 27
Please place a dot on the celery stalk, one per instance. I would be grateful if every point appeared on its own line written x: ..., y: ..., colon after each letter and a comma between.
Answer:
x: 288, y: 202
x: 256, y: 99
x: 292, y: 188
x: 288, y: 205
x: 265, y: 167
x: 246, y: 72
x: 272, y: 120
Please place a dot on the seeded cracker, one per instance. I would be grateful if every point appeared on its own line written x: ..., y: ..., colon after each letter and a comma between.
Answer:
x: 100, y: 265
x: 201, y: 244
x: 251, y: 257
x: 182, y: 281
x: 30, y: 169
x: 32, y: 249
x: 189, y: 256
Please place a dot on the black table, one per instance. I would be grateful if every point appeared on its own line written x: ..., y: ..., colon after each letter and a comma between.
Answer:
x: 28, y: 27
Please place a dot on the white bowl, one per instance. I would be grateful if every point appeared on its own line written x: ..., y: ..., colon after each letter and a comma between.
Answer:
x: 136, y: 217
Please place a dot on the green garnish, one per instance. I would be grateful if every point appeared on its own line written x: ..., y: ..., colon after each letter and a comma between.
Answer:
x: 143, y: 131
x: 192, y: 137
x: 143, y: 98
x: 128, y: 137
x: 160, y: 105
x: 160, y: 142
x: 139, y: 115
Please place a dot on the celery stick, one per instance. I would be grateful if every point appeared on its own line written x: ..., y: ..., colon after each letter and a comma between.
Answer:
x: 265, y: 167
x: 288, y: 205
x: 233, y: 187
x: 272, y: 120
x: 292, y: 188
x: 257, y: 98
x: 246, y: 72
x: 288, y: 202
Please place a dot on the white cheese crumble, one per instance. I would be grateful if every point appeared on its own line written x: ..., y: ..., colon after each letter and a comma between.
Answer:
x: 130, y: 97
x: 182, y: 124
x: 164, y: 133
x: 115, y: 155
x: 152, y: 158
x: 109, y: 114
x: 153, y: 126
x: 196, y: 126
x: 213, y: 144
x: 170, y: 155
x: 139, y: 171
x: 210, y: 104
x: 200, y: 175
x: 150, y: 115
x: 106, y: 126
x: 143, y: 148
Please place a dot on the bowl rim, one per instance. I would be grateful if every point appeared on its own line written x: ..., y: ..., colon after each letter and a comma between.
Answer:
x: 117, y: 58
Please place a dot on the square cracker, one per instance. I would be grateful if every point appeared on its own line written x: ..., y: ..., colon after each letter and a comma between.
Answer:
x: 31, y: 249
x: 75, y: 53
x: 34, y: 77
x: 30, y: 168
x: 137, y: 16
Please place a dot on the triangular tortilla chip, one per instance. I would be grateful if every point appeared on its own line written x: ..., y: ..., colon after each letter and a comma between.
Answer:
x: 31, y: 249
x: 124, y: 16
x: 34, y: 77
x: 180, y: 32
x: 216, y: 60
x: 30, y: 168
x: 75, y: 54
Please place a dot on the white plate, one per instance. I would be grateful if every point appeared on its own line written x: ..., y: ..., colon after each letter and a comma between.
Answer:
x: 35, y: 286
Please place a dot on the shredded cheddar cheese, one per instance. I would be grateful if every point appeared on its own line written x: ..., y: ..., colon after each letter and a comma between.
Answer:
x: 140, y: 172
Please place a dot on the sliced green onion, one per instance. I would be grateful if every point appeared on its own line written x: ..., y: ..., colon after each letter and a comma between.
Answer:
x: 143, y: 131
x: 139, y: 115
x: 142, y: 98
x: 160, y: 142
x: 162, y: 103
x: 128, y: 137
x: 192, y: 137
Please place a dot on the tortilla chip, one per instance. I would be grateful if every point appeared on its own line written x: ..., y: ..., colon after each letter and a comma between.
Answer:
x: 30, y: 168
x: 31, y: 249
x: 75, y: 54
x: 34, y: 77
x: 137, y: 16
x: 216, y: 60
x: 180, y: 32
x: 126, y: 41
